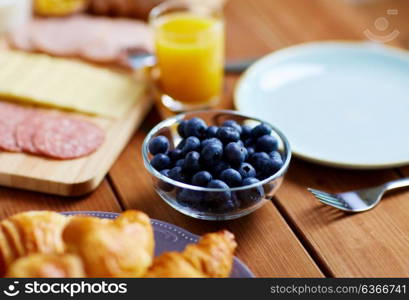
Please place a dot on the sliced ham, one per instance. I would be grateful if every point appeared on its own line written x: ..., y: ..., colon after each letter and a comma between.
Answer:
x: 97, y: 39
x: 59, y: 36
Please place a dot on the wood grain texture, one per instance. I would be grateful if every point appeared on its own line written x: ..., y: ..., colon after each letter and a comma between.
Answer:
x: 78, y: 176
x: 369, y: 244
x: 13, y: 201
x: 266, y: 243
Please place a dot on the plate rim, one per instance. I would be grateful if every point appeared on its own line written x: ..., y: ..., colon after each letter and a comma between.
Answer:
x: 390, y: 50
x: 185, y: 233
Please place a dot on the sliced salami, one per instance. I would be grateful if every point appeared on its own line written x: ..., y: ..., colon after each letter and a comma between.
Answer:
x: 26, y: 130
x: 7, y: 139
x: 67, y: 138
x: 11, y: 114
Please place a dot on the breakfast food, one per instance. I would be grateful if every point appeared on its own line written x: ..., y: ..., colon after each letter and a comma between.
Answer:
x: 68, y: 84
x: 229, y: 156
x: 118, y: 248
x: 58, y: 8
x: 212, y: 257
x: 30, y: 232
x: 52, y: 135
x: 41, y: 265
x: 48, y: 244
x: 66, y: 138
x: 96, y: 39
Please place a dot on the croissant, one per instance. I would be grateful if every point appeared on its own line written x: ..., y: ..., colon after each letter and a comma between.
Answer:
x: 30, y: 232
x: 47, y: 266
x: 212, y: 257
x: 112, y: 248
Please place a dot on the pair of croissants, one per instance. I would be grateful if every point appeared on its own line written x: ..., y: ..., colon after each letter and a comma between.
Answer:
x: 48, y: 244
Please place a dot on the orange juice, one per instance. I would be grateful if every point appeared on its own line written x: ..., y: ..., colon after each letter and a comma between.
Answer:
x: 190, y: 55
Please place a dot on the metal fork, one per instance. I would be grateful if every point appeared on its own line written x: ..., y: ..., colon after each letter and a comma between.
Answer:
x: 359, y: 200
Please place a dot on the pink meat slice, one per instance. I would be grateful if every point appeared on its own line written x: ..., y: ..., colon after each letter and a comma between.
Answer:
x: 132, y: 34
x: 59, y: 36
x: 98, y: 45
x: 7, y: 139
x: 26, y: 131
x: 10, y: 117
x: 67, y: 138
x: 21, y: 38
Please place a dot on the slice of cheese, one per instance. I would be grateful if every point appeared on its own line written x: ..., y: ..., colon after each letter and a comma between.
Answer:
x: 67, y: 84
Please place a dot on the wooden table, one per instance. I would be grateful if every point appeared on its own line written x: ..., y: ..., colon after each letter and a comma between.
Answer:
x: 294, y: 235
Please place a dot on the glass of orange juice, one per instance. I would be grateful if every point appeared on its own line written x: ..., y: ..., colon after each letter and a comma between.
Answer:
x: 189, y: 45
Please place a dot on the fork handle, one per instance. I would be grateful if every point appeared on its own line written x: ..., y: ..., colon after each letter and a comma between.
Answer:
x: 397, y: 184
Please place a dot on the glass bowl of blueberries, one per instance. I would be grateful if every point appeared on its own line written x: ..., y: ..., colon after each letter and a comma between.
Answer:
x: 216, y: 164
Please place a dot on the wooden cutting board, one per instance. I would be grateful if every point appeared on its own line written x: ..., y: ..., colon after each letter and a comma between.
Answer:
x: 73, y: 177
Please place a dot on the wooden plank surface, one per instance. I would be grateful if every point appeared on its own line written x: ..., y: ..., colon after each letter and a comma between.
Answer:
x: 369, y: 244
x: 13, y: 201
x: 266, y: 243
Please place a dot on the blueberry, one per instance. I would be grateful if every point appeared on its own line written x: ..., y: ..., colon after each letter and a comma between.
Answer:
x: 267, y: 143
x: 231, y: 177
x: 249, y: 181
x: 192, y: 143
x: 218, y: 198
x: 211, y: 141
x: 192, y: 162
x: 211, y: 131
x: 260, y: 130
x: 251, y: 196
x: 248, y: 142
x: 211, y: 153
x: 245, y: 132
x: 195, y: 127
x: 167, y: 187
x: 225, y: 207
x: 181, y: 144
x: 265, y: 166
x: 189, y: 198
x: 218, y: 168
x: 177, y: 174
x: 258, y: 159
x: 235, y: 154
x: 159, y: 144
x: 175, y: 155
x: 228, y: 134
x: 275, y: 155
x: 160, y: 161
x: 250, y: 151
x: 180, y: 162
x: 240, y: 143
x: 202, y: 178
x: 233, y: 124
x: 246, y: 170
x: 181, y: 128
x: 276, y: 159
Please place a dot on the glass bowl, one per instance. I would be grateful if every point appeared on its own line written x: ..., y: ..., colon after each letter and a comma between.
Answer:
x: 193, y: 200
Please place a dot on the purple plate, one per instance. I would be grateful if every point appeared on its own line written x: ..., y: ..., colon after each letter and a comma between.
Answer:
x: 169, y: 237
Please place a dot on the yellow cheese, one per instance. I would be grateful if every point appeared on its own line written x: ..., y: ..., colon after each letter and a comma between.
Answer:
x: 67, y: 84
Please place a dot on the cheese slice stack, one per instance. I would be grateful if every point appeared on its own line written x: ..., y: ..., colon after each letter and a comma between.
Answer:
x: 68, y: 84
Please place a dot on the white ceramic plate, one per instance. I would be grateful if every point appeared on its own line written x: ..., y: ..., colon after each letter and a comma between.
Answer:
x: 340, y: 104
